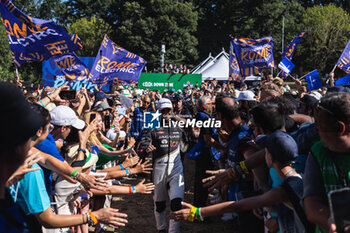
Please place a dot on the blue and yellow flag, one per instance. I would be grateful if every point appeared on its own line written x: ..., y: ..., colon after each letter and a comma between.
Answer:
x: 114, y: 64
x: 344, y: 60
x: 33, y: 39
x: 233, y: 66
x: 71, y: 66
x: 290, y: 48
x: 253, y: 55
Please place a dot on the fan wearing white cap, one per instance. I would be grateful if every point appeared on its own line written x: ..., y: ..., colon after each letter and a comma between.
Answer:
x: 63, y: 118
x: 164, y: 143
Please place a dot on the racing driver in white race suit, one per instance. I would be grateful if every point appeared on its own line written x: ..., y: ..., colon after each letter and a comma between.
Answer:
x: 164, y: 143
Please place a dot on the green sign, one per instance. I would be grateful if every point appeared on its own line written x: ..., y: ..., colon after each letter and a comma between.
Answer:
x: 161, y: 81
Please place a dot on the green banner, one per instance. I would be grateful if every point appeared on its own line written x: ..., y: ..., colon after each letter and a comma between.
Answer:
x: 161, y: 81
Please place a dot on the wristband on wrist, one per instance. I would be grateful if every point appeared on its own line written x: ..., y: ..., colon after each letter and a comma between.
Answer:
x: 128, y: 147
x: 49, y: 98
x: 42, y: 103
x: 81, y: 149
x: 74, y: 173
x: 121, y: 166
x: 127, y: 172
x: 198, y: 215
x: 93, y: 218
x: 133, y: 189
x: 130, y: 190
x: 244, y: 167
x: 192, y: 214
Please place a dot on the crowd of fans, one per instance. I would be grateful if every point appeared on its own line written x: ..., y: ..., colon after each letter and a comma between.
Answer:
x: 270, y: 165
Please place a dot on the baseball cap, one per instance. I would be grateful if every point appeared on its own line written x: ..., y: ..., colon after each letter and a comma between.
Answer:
x: 246, y: 95
x: 100, y: 96
x: 18, y: 122
x: 102, y: 106
x: 281, y: 146
x: 176, y: 98
x: 172, y: 90
x: 164, y: 103
x: 65, y: 116
x: 316, y: 95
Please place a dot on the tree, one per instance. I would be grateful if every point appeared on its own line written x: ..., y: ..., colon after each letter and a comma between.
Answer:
x: 145, y: 25
x: 91, y: 33
x: 328, y: 32
x: 6, y: 67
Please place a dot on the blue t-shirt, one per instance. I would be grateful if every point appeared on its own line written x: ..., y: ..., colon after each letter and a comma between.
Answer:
x: 13, y: 220
x: 31, y: 194
x: 48, y: 146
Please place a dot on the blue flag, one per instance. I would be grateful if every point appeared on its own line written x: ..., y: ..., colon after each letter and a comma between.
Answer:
x: 290, y: 48
x: 56, y: 73
x: 313, y: 80
x: 71, y: 66
x: 114, y: 64
x: 233, y: 65
x: 344, y: 60
x: 253, y: 55
x: 343, y: 81
x: 286, y: 65
x: 34, y: 39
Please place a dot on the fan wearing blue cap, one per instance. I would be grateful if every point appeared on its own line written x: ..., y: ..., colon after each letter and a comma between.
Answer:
x: 281, y: 150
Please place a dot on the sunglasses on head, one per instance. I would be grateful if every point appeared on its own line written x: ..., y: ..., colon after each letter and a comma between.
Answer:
x: 319, y: 106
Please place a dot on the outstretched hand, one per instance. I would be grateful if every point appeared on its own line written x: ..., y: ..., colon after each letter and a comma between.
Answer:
x: 182, y: 214
x: 144, y: 188
x: 218, y: 178
x: 145, y: 167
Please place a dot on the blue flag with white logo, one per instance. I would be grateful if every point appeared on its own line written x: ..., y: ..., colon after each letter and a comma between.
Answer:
x: 290, y: 48
x: 33, y: 39
x: 253, y: 55
x: 233, y: 65
x: 313, y: 80
x: 286, y: 65
x: 114, y: 64
x: 344, y: 60
x: 343, y: 81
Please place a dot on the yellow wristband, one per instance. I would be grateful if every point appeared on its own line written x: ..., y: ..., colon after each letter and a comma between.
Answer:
x: 244, y: 167
x: 192, y: 214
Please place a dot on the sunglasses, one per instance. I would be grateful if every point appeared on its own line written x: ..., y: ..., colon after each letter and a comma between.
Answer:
x: 319, y: 106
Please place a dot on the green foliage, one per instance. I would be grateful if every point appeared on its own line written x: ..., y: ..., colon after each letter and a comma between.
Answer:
x: 6, y: 57
x: 91, y: 33
x: 145, y: 25
x: 328, y: 32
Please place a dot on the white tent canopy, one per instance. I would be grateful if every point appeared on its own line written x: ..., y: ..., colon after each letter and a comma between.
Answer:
x: 214, y: 67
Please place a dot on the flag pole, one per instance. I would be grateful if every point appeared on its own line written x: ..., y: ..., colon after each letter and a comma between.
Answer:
x: 278, y: 73
x: 334, y: 68
x: 99, y: 83
x: 292, y: 77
